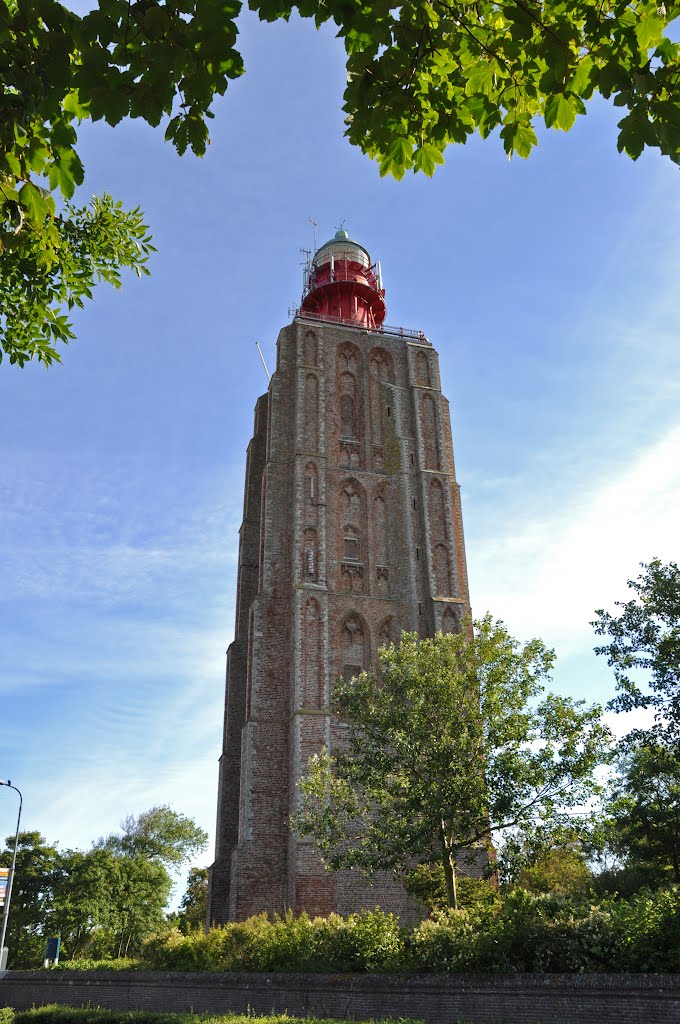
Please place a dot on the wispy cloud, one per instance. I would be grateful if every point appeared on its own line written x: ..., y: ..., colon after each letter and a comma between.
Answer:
x: 547, y: 576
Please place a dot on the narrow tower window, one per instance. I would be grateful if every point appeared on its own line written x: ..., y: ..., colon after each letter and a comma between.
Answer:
x: 348, y: 417
x: 351, y: 545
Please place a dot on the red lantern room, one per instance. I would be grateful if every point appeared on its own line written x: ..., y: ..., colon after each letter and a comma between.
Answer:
x: 342, y: 284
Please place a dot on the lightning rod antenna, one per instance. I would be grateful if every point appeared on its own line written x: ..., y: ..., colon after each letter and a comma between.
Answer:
x: 313, y: 222
x: 269, y: 376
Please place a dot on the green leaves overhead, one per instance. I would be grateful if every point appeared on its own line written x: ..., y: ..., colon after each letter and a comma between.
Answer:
x: 420, y: 76
x: 50, y: 263
x: 141, y: 59
x: 443, y: 71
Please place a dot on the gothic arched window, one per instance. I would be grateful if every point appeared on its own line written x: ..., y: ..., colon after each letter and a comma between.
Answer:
x: 311, y: 492
x: 348, y: 418
x: 311, y: 410
x: 430, y: 433
x: 311, y: 355
x: 380, y: 530
x: 310, y: 557
x: 423, y: 369
x: 442, y: 571
x: 354, y: 646
x: 312, y: 674
x: 438, y: 511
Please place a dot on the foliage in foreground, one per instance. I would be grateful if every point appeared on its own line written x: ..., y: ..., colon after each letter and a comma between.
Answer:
x: 50, y: 263
x: 419, y: 77
x: 642, y: 812
x: 56, y: 1014
x: 104, y: 901
x: 519, y: 932
x: 455, y: 742
x: 643, y: 649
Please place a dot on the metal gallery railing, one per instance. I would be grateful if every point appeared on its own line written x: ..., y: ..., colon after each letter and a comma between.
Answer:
x: 399, y: 332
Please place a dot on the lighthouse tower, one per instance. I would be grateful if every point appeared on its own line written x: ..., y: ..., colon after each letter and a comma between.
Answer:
x: 351, y: 533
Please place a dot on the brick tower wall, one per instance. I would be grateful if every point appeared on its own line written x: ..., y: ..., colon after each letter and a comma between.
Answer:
x: 360, y: 537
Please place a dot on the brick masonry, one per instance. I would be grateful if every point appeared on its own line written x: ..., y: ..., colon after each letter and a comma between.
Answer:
x: 435, y: 999
x: 352, y: 532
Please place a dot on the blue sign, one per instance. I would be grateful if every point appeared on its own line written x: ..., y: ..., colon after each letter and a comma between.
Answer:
x: 52, y: 948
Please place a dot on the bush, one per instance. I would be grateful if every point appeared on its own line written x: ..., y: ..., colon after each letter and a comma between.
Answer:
x: 6, y: 1015
x: 529, y: 932
x: 361, y: 942
x: 84, y: 964
x: 520, y: 931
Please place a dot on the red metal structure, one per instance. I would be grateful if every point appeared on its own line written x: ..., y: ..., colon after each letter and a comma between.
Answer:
x: 342, y: 284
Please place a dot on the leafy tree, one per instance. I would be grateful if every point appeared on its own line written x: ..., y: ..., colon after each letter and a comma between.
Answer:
x: 456, y: 742
x: 559, y: 870
x: 49, y: 262
x: 193, y: 909
x: 30, y: 910
x: 420, y: 76
x: 83, y: 913
x: 159, y: 834
x: 139, y: 890
x: 643, y: 811
x: 105, y: 901
x: 644, y: 648
x: 139, y: 880
x: 432, y: 73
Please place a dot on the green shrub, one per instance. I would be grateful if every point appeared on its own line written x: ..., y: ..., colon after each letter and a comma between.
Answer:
x: 519, y: 931
x: 533, y: 932
x: 6, y: 1015
x: 361, y: 942
x: 84, y: 964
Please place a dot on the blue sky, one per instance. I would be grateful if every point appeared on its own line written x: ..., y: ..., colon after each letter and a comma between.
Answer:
x: 548, y: 286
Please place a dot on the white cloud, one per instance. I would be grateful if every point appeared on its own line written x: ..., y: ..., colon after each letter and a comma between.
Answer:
x: 547, y: 577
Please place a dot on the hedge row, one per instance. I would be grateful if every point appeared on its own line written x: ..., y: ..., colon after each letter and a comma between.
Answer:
x: 520, y: 932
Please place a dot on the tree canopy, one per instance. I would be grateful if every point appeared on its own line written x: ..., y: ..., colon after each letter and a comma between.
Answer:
x: 159, y: 834
x: 642, y: 813
x: 455, y: 742
x: 50, y: 262
x: 193, y: 908
x: 644, y: 647
x: 419, y: 77
x: 103, y: 901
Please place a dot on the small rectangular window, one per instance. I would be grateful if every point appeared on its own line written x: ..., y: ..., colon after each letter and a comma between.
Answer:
x: 351, y: 549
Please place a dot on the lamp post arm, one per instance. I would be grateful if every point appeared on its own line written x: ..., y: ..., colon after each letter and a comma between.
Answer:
x: 10, y: 884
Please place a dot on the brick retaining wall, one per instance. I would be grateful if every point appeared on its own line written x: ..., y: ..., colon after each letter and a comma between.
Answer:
x: 436, y: 999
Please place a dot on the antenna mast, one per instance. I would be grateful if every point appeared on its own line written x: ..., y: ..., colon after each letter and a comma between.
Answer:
x: 269, y: 376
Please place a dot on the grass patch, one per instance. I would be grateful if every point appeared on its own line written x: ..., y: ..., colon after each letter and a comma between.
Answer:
x: 56, y: 1014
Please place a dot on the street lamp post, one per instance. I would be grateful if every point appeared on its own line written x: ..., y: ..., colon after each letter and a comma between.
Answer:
x: 3, y: 949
